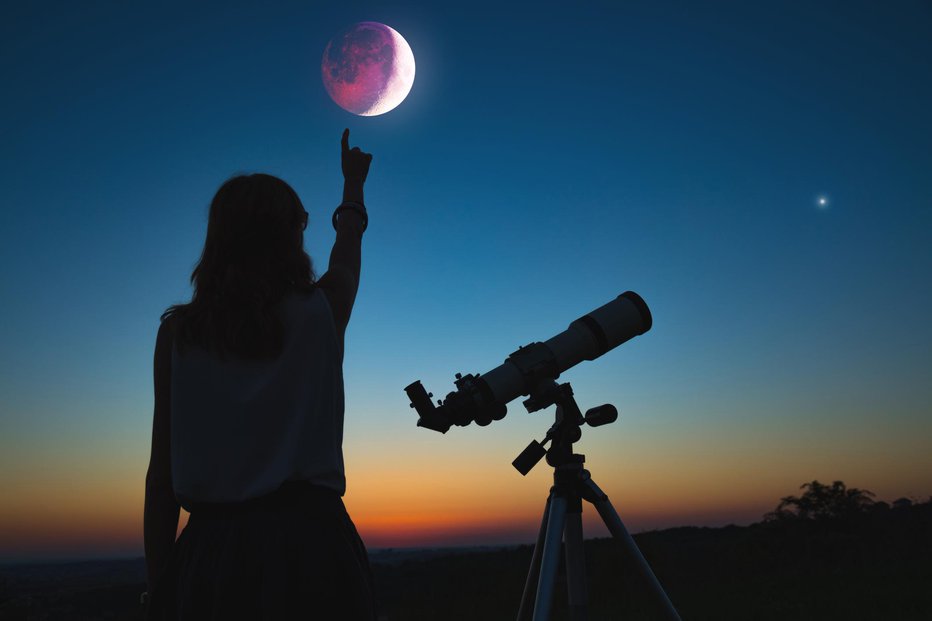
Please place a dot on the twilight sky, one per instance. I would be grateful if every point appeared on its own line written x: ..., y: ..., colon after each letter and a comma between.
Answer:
x: 547, y: 159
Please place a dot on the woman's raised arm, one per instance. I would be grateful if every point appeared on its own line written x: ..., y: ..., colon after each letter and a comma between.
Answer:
x: 341, y: 281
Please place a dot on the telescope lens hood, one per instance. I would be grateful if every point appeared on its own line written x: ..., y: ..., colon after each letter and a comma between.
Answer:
x: 641, y: 305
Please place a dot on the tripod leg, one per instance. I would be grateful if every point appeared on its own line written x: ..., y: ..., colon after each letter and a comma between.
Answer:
x: 551, y: 557
x: 575, y: 560
x: 524, y: 612
x: 619, y: 532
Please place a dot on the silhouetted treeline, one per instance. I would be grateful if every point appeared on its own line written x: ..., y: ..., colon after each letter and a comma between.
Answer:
x: 872, y: 562
x: 828, y: 502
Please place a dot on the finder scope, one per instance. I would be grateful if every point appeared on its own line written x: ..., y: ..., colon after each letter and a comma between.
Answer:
x: 483, y: 398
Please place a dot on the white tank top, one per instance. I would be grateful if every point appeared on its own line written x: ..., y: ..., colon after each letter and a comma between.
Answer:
x: 240, y: 428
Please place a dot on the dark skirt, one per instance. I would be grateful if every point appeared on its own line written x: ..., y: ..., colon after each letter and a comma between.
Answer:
x: 292, y: 554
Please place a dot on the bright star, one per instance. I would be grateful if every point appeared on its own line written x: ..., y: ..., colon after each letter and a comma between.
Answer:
x: 822, y: 201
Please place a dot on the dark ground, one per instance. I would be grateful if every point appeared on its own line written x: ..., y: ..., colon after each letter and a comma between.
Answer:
x: 876, y: 565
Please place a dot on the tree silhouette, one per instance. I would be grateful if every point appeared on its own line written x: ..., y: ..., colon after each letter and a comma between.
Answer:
x: 821, y: 502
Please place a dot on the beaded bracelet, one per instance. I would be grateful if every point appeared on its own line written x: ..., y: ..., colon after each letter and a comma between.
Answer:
x: 357, y: 207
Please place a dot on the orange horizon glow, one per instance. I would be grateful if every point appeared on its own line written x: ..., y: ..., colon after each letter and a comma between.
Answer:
x: 74, y: 501
x: 82, y: 530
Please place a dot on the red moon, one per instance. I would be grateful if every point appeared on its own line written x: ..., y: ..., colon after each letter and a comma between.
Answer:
x: 368, y: 69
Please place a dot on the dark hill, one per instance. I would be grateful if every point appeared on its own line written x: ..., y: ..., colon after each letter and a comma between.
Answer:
x: 874, y: 565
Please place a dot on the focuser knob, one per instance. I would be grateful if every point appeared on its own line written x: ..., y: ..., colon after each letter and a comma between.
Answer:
x: 601, y: 415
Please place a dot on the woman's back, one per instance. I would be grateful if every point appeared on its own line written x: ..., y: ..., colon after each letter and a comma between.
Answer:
x: 242, y: 427
x: 247, y: 430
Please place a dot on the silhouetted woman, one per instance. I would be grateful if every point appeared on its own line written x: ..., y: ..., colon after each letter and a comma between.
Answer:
x: 248, y: 425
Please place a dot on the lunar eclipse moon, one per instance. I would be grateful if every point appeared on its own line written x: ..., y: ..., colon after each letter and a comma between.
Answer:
x: 368, y: 69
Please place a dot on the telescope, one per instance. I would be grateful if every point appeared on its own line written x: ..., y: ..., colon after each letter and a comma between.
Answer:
x: 533, y: 370
x: 483, y: 398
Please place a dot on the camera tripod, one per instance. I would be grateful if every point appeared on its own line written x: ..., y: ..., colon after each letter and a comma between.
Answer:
x: 563, y: 512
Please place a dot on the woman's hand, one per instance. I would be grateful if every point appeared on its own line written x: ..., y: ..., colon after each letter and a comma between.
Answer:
x: 355, y: 162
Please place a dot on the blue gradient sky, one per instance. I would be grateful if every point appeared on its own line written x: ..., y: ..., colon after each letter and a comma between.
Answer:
x: 548, y: 158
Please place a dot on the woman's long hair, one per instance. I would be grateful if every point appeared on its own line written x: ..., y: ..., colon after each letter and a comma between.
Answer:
x: 253, y: 255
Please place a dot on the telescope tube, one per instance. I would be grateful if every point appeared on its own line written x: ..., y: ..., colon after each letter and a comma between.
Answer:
x: 482, y: 398
x: 587, y: 338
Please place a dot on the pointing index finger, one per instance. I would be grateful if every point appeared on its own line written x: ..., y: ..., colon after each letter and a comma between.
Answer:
x: 345, y: 140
